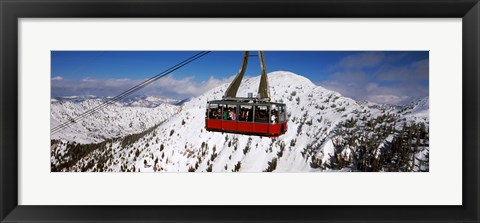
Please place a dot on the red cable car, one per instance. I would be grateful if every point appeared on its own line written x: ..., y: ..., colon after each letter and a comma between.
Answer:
x: 249, y: 116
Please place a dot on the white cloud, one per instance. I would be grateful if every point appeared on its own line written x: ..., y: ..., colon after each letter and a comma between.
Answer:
x: 362, y: 60
x: 57, y: 78
x: 411, y: 72
x: 386, y: 84
x: 167, y: 86
x: 388, y: 99
x: 371, y: 91
x: 359, y: 87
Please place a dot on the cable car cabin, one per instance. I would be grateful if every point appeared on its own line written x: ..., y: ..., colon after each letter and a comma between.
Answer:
x: 249, y: 116
x: 243, y: 117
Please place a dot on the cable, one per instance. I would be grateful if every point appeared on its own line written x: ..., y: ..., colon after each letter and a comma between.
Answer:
x: 128, y: 92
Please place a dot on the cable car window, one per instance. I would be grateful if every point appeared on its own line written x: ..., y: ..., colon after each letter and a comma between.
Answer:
x: 246, y: 113
x: 230, y: 112
x: 214, y: 112
x: 281, y: 117
x: 261, y: 114
x: 273, y: 114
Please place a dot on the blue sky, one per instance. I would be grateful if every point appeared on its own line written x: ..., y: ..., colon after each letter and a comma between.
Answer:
x: 380, y: 76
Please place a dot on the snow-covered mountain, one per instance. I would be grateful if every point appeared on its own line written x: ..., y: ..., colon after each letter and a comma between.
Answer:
x: 326, y: 132
x: 134, y: 101
x: 124, y: 117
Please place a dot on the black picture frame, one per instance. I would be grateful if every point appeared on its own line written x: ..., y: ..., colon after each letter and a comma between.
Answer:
x: 11, y: 11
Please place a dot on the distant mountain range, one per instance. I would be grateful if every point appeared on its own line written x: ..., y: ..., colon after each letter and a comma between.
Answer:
x: 134, y: 101
x: 127, y: 116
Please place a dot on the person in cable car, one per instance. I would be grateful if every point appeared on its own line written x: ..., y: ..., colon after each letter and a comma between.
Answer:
x: 230, y: 114
x: 225, y: 115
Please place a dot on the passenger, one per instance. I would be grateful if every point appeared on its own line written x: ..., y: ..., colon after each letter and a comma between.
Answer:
x: 225, y: 115
x: 232, y: 112
x: 275, y: 114
x: 273, y: 118
x: 234, y: 115
x: 242, y: 115
x: 263, y: 115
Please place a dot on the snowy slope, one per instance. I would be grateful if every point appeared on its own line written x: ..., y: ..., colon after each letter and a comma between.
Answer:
x: 417, y: 110
x: 318, y: 137
x: 116, y: 120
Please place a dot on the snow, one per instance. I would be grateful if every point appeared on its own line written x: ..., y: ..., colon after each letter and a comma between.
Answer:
x: 419, y: 110
x: 116, y: 120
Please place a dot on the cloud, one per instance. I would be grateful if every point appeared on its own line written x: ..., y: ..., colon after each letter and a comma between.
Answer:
x: 57, y: 78
x: 362, y: 60
x: 168, y: 86
x: 388, y: 99
x: 400, y: 94
x: 412, y: 72
x: 347, y: 83
x: 387, y: 84
x: 375, y: 92
x: 350, y: 76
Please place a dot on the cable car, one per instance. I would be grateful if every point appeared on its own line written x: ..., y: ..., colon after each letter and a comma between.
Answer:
x: 247, y: 115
